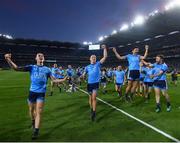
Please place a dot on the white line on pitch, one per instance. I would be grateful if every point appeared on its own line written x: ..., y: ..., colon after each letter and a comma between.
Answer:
x: 138, y: 120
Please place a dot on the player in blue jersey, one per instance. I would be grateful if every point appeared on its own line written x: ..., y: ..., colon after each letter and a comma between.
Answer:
x: 70, y: 73
x: 140, y: 87
x: 94, y: 72
x: 39, y: 75
x: 119, y: 76
x: 133, y: 69
x: 104, y: 81
x: 148, y: 82
x: 55, y: 74
x: 160, y: 81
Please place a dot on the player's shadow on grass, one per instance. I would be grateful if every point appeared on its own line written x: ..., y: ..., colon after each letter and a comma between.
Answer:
x: 101, y: 115
x: 51, y: 130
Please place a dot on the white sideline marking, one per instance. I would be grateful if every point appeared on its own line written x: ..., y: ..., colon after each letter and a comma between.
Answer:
x: 138, y: 120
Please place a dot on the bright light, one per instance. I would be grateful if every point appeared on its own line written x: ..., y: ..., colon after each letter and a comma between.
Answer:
x: 114, y: 32
x: 105, y: 36
x: 6, y: 36
x: 101, y: 38
x: 124, y: 27
x: 156, y: 11
x: 139, y: 20
x: 132, y: 24
x: 85, y: 43
x: 172, y: 4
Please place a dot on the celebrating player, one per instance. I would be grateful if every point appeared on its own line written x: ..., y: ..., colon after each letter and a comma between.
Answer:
x: 134, y: 69
x: 119, y: 76
x: 39, y: 76
x: 160, y: 81
x: 94, y: 71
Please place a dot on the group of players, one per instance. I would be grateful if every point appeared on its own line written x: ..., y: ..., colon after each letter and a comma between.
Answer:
x: 139, y: 74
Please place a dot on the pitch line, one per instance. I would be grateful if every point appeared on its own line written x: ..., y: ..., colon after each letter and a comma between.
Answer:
x: 138, y: 120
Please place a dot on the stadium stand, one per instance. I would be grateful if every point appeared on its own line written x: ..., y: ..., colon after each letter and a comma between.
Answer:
x: 161, y: 33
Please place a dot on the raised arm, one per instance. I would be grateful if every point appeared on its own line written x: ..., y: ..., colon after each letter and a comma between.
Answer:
x: 146, y: 53
x: 104, y: 54
x: 117, y: 55
x: 11, y: 63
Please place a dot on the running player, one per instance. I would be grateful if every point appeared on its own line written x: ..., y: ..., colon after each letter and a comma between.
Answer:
x: 55, y: 74
x: 160, y: 81
x: 119, y: 76
x: 134, y: 69
x: 148, y: 82
x: 70, y: 73
x: 104, y: 80
x: 141, y: 80
x: 39, y: 76
x: 93, y: 71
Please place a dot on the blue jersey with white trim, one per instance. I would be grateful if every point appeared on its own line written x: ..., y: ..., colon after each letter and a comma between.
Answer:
x: 94, y: 72
x: 148, y: 72
x: 70, y: 72
x: 55, y: 72
x: 39, y: 77
x: 61, y: 74
x: 134, y: 61
x: 157, y: 69
x: 119, y: 76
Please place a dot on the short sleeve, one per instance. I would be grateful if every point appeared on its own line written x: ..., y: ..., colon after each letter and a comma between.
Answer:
x: 26, y: 68
x: 164, y: 68
x: 49, y: 73
x: 99, y: 63
x: 86, y: 70
x: 127, y: 56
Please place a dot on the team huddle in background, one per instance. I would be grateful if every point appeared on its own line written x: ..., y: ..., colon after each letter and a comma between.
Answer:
x: 139, y: 78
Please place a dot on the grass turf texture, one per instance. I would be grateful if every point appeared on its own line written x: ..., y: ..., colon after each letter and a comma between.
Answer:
x: 66, y: 116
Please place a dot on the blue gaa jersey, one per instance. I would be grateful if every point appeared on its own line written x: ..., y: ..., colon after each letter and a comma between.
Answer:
x: 70, y: 72
x: 61, y: 74
x: 119, y: 76
x: 157, y: 69
x: 94, y: 72
x: 39, y: 77
x: 55, y: 72
x: 133, y: 61
x: 110, y: 73
x: 148, y: 72
x: 142, y: 74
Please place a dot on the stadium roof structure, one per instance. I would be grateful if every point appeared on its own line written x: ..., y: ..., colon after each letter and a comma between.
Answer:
x: 39, y: 43
x: 155, y: 26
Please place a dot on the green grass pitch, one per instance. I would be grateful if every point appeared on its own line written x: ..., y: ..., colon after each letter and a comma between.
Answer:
x: 66, y: 116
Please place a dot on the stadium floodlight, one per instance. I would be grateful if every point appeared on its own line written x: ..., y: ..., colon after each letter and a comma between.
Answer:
x: 101, y: 38
x: 114, y: 32
x: 85, y: 43
x: 156, y: 11
x: 124, y: 27
x: 132, y: 24
x: 105, y: 36
x: 172, y: 4
x: 139, y: 20
x: 8, y: 36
